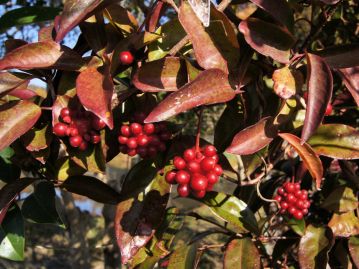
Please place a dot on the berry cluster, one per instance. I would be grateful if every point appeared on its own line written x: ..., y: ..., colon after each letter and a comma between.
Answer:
x: 195, y: 172
x: 81, y: 126
x: 143, y: 139
x: 293, y: 200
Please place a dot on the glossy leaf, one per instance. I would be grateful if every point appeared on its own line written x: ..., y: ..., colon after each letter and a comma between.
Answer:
x: 309, y: 157
x: 350, y: 78
x: 320, y: 88
x: 337, y: 141
x: 267, y: 39
x: 210, y: 87
x: 121, y: 18
x: 40, y: 206
x: 183, y: 257
x: 287, y: 82
x: 343, y: 56
x: 253, y: 138
x: 95, y: 88
x: 341, y: 200
x: 46, y: 33
x: 27, y: 15
x: 344, y: 225
x: 12, y: 240
x: 166, y: 74
x: 353, y: 246
x: 298, y: 226
x: 8, y: 171
x: 74, y: 12
x: 314, y: 247
x: 45, y: 54
x: 92, y: 188
x: 37, y: 139
x: 9, y: 81
x: 241, y: 254
x: 16, y: 118
x: 92, y: 159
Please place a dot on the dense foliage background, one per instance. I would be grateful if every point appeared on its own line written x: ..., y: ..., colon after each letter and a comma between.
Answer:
x: 273, y: 85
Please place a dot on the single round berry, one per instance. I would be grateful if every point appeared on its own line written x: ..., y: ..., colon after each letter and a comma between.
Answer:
x: 155, y: 140
x: 189, y: 154
x: 328, y: 110
x: 170, y: 176
x: 132, y: 143
x: 97, y: 123
x: 132, y: 152
x: 215, y: 158
x: 75, y: 141
x: 284, y: 205
x: 212, y: 178
x: 289, y: 187
x: 300, y: 204
x: 298, y: 215
x: 136, y: 128
x: 183, y: 177
x: 183, y: 190
x: 218, y: 170
x: 208, y: 164
x: 142, y: 140
x: 83, y: 145
x: 73, y: 131
x: 95, y: 138
x: 280, y: 191
x: 87, y: 137
x: 193, y: 167
x: 142, y: 151
x: 304, y: 195
x: 126, y: 57
x: 65, y: 112
x: 199, y: 194
x: 305, y: 211
x: 199, y: 182
x: 125, y: 130
x: 60, y: 129
x: 298, y: 194
x: 149, y: 128
x: 297, y: 186
x: 179, y: 163
x: 278, y: 198
x: 209, y: 151
x: 292, y: 210
x: 306, y: 204
x: 122, y: 139
x: 291, y: 198
x: 67, y: 119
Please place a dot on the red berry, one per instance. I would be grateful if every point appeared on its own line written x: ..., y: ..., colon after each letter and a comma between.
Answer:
x: 95, y: 138
x: 304, y: 195
x: 328, y: 110
x: 298, y: 194
x: 207, y: 164
x: 193, y: 167
x: 284, y: 205
x: 212, y: 178
x: 280, y: 191
x: 179, y: 163
x: 132, y: 143
x: 151, y: 151
x: 183, y: 190
x: 292, y: 210
x: 154, y: 140
x: 122, y: 139
x: 142, y: 151
x: 297, y: 186
x: 97, y: 123
x: 218, y: 170
x: 125, y: 130
x: 209, y: 187
x: 60, y: 129
x: 289, y: 187
x: 278, y: 198
x: 149, y: 128
x: 183, y: 177
x: 209, y: 151
x: 306, y: 204
x: 199, y: 194
x: 73, y: 131
x: 189, y: 154
x: 291, y: 198
x: 215, y: 158
x: 136, y: 128
x: 65, y: 112
x: 75, y: 141
x: 298, y: 215
x: 199, y: 182
x: 67, y: 119
x: 170, y: 176
x: 305, y: 211
x: 126, y: 57
x: 132, y: 152
x: 142, y: 139
x: 199, y: 156
x: 83, y: 145
x: 299, y: 204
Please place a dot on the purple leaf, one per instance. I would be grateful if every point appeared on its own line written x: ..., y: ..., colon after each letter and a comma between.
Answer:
x: 320, y: 87
x: 210, y: 87
x: 343, y: 56
x: 350, y: 78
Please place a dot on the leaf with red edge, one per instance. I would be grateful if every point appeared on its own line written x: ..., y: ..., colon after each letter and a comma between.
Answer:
x: 343, y: 56
x: 207, y: 54
x: 166, y: 74
x: 308, y: 155
x: 46, y: 33
x: 268, y: 39
x: 137, y: 218
x: 320, y: 88
x: 210, y: 87
x: 253, y: 138
x: 350, y: 78
x: 16, y: 118
x: 353, y: 246
x: 94, y: 88
x: 45, y: 54
x: 155, y: 16
x: 74, y: 12
x: 242, y: 253
x: 9, y: 81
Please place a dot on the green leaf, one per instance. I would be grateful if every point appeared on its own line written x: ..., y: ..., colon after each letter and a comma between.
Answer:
x: 91, y: 159
x: 344, y: 225
x: 242, y: 254
x: 12, y: 240
x: 8, y: 170
x: 40, y: 206
x: 341, y: 200
x: 353, y: 246
x: 27, y: 15
x: 37, y: 139
x: 287, y: 82
x: 183, y: 257
x: 298, y: 226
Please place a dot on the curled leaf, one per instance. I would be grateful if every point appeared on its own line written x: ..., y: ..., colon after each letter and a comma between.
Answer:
x: 344, y: 225
x: 287, y: 82
x: 9, y: 81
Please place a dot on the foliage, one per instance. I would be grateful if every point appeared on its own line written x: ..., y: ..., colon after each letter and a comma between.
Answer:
x: 250, y: 64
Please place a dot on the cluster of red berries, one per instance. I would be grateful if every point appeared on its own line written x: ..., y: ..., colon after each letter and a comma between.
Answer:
x: 195, y: 172
x: 143, y: 139
x: 293, y: 200
x: 81, y: 126
x: 328, y: 110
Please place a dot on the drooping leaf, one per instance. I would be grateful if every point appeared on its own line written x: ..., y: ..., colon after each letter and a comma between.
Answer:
x: 166, y: 74
x: 287, y: 82
x: 92, y: 188
x: 253, y: 138
x: 298, y: 226
x: 66, y: 168
x: 16, y: 118
x: 183, y: 257
x: 12, y: 240
x: 37, y: 139
x: 27, y: 15
x: 121, y: 18
x: 40, y: 206
x: 309, y: 157
x: 341, y: 200
x: 44, y: 54
x: 343, y: 56
x: 350, y: 78
x: 344, y: 225
x: 314, y: 247
x: 320, y: 88
x: 74, y: 12
x: 93, y: 30
x: 241, y: 253
x: 9, y: 81
x: 267, y: 39
x: 94, y: 88
x: 353, y: 246
x: 155, y: 16
x: 210, y: 87
x: 8, y: 171
x: 337, y: 141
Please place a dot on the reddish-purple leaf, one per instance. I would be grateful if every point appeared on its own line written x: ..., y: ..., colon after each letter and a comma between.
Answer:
x: 210, y: 87
x: 320, y: 88
x: 242, y: 253
x: 279, y: 9
x: 155, y: 16
x: 268, y: 39
x: 253, y: 138
x: 94, y: 88
x: 343, y: 56
x: 350, y: 78
x: 45, y: 54
x: 23, y: 93
x: 9, y: 81
x: 46, y: 33
x: 166, y: 74
x: 207, y: 54
x: 74, y: 12
x: 16, y: 118
x: 330, y: 2
x: 308, y: 155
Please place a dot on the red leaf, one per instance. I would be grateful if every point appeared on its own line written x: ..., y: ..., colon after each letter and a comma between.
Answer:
x: 320, y: 87
x: 343, y: 56
x: 9, y: 81
x: 253, y: 138
x: 16, y: 118
x: 94, y: 89
x: 166, y: 74
x: 155, y: 16
x: 267, y: 39
x: 46, y: 33
x: 45, y: 54
x: 210, y: 87
x: 74, y: 12
x: 350, y: 78
x: 309, y: 157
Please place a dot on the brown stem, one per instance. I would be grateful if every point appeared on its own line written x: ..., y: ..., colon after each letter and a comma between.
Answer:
x: 198, y: 136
